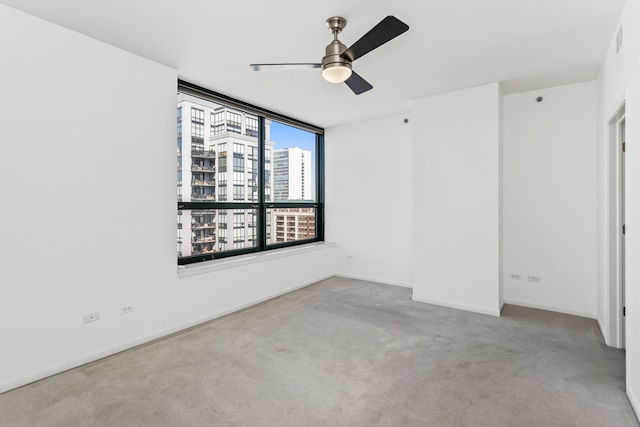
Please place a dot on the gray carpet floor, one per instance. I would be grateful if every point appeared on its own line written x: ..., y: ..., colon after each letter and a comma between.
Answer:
x: 346, y: 353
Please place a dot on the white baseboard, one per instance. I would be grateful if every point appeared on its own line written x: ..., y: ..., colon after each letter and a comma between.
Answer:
x: 550, y: 308
x: 374, y: 279
x: 634, y: 402
x: 129, y: 344
x: 472, y: 308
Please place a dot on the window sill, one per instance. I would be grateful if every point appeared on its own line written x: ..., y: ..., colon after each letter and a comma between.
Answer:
x: 240, y: 260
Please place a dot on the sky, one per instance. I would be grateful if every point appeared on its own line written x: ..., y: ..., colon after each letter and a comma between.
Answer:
x: 287, y: 136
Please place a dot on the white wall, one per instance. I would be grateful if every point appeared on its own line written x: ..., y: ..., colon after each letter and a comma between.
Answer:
x: 618, y: 81
x: 456, y: 163
x: 368, y: 198
x: 88, y: 184
x: 550, y: 213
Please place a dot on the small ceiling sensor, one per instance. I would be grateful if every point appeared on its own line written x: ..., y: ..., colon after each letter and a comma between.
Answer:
x: 406, y: 120
x: 539, y: 99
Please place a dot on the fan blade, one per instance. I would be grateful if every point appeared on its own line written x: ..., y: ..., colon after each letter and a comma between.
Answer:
x: 357, y: 84
x: 290, y: 66
x: 387, y: 29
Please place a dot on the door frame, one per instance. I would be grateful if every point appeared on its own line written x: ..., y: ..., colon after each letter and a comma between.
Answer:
x: 616, y: 181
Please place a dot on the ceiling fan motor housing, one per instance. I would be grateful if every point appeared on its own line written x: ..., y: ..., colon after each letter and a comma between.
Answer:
x: 332, y: 56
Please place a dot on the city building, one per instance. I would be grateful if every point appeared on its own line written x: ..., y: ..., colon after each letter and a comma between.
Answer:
x: 292, y: 174
x: 217, y: 149
x: 290, y: 224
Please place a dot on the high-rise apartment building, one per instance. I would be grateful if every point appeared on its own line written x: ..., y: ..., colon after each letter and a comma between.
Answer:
x: 292, y: 174
x: 218, y: 161
x: 290, y: 224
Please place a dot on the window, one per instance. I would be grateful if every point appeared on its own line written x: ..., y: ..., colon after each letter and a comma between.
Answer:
x: 238, y: 219
x: 252, y: 127
x: 197, y: 116
x: 222, y: 194
x: 238, y: 178
x: 197, y: 129
x: 238, y: 150
x: 234, y: 122
x: 217, y: 123
x: 238, y: 193
x: 238, y: 164
x: 272, y: 196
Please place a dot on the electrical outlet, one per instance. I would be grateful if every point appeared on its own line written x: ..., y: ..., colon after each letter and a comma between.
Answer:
x: 126, y: 309
x: 534, y: 279
x: 515, y: 276
x: 91, y: 317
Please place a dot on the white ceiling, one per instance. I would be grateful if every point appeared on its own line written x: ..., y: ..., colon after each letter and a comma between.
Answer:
x: 451, y: 44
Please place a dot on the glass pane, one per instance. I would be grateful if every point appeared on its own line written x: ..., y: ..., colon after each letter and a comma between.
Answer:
x: 290, y: 163
x: 205, y: 231
x: 217, y: 152
x: 290, y: 224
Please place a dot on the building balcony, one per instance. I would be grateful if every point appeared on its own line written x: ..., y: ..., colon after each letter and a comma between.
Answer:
x: 201, y: 239
x: 203, y: 168
x: 205, y: 183
x: 203, y: 226
x: 207, y: 197
x: 203, y: 154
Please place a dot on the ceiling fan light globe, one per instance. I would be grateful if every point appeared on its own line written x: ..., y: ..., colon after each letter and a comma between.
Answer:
x: 336, y: 73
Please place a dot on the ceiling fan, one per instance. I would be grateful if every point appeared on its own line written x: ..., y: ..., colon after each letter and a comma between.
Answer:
x: 336, y: 64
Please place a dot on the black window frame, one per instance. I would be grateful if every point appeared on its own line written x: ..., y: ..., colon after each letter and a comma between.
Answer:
x: 262, y: 205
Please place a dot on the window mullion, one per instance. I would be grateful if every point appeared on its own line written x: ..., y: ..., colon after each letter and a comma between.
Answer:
x: 262, y: 210
x: 320, y: 186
